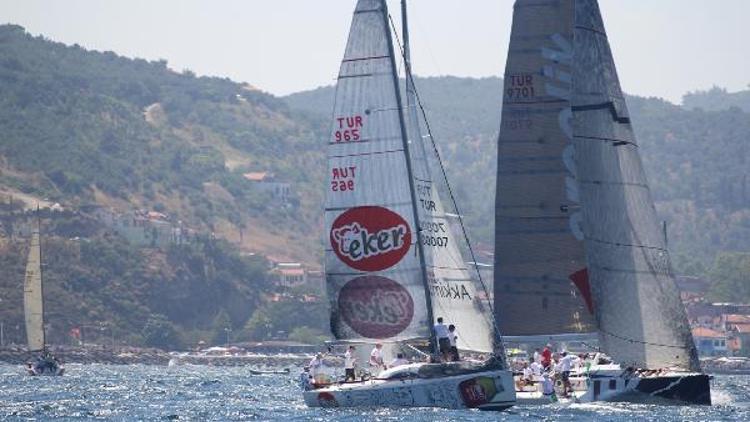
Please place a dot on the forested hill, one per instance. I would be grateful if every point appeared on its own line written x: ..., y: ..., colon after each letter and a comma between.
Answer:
x: 83, y: 127
x: 717, y: 99
x: 697, y: 159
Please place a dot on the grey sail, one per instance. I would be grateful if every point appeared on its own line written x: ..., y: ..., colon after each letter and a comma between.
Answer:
x: 541, y: 281
x: 640, y: 317
x: 456, y: 294
x: 33, y: 304
x: 374, y: 270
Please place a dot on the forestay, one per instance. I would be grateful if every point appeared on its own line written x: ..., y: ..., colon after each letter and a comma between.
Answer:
x: 456, y: 295
x: 373, y: 272
x: 641, y: 319
x: 541, y: 280
x: 32, y: 295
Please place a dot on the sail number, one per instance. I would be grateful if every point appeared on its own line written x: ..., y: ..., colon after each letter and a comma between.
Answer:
x: 521, y: 86
x: 342, y: 178
x: 347, y: 129
x: 439, y: 241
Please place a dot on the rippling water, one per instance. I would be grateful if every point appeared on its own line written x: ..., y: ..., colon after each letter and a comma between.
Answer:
x: 221, y: 393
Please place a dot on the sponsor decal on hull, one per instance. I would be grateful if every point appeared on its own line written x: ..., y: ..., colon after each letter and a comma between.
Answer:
x: 375, y: 306
x: 326, y: 399
x: 477, y: 391
x: 370, y: 238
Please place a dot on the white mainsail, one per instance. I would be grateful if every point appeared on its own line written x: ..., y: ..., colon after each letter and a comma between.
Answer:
x: 32, y: 295
x: 456, y: 296
x: 374, y: 271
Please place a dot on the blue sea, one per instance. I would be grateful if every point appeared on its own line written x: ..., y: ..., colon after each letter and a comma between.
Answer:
x: 141, y: 392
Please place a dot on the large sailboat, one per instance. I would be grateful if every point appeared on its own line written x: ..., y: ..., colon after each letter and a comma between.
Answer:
x: 394, y: 264
x: 33, y: 305
x: 579, y: 250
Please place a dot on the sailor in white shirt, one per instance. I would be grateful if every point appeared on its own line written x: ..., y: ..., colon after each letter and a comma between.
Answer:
x: 376, y: 357
x: 564, y: 366
x: 537, y: 355
x: 349, y: 363
x: 316, y: 366
x: 536, y: 368
x: 443, y: 338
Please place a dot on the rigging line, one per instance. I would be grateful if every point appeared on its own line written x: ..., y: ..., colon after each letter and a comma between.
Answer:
x: 647, y: 343
x: 450, y: 191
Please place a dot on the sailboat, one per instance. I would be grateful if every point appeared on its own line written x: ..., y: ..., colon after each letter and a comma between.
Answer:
x: 579, y: 251
x: 394, y: 264
x: 33, y: 304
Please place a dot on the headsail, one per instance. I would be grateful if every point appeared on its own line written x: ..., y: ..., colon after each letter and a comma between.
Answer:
x: 456, y: 295
x: 32, y: 295
x: 541, y: 280
x: 641, y: 319
x: 374, y: 272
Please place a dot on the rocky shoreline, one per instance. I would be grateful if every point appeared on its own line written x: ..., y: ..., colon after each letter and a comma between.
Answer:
x: 268, y: 357
x: 726, y: 365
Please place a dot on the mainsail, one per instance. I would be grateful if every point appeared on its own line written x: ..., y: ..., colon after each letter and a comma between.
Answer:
x: 374, y: 272
x: 576, y: 227
x: 541, y: 279
x: 641, y: 319
x: 32, y: 295
x: 456, y: 295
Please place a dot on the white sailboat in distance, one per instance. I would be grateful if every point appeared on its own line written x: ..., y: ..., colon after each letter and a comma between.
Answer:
x: 33, y: 305
x: 393, y: 260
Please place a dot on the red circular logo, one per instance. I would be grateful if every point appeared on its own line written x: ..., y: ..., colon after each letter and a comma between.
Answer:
x: 370, y: 238
x: 376, y: 307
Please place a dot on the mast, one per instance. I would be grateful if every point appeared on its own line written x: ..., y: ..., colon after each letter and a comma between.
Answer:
x: 41, y: 275
x: 412, y: 190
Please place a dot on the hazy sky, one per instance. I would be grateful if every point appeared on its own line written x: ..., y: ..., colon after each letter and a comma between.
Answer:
x: 662, y: 47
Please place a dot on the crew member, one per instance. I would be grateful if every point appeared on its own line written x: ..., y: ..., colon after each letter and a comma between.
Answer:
x: 564, y: 366
x: 376, y: 357
x: 443, y: 338
x: 453, y: 337
x: 547, y: 357
x: 349, y: 362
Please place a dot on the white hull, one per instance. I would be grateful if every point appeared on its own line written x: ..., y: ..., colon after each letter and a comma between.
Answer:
x: 614, y: 384
x: 485, y: 390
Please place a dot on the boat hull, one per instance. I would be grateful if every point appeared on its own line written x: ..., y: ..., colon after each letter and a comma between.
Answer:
x: 670, y: 388
x: 56, y: 371
x: 485, y: 390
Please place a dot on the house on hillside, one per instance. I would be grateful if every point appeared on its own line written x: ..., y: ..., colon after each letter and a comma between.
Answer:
x: 267, y: 182
x: 289, y: 274
x: 710, y: 342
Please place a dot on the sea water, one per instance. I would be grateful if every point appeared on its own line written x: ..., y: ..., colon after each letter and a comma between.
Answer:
x: 142, y: 392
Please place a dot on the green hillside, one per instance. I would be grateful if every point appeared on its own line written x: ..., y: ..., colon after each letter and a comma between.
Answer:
x: 96, y: 131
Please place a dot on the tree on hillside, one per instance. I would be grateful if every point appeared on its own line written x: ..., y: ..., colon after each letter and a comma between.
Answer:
x: 221, y: 328
x: 159, y: 332
x: 731, y: 277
